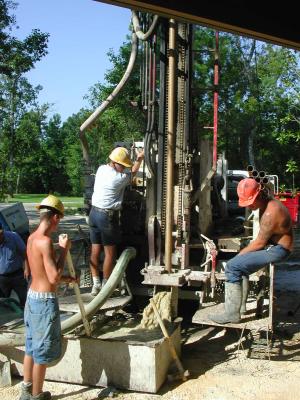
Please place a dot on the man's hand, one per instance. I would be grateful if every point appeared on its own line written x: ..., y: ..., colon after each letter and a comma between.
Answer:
x: 69, y: 279
x: 26, y: 271
x: 139, y: 154
x: 64, y: 241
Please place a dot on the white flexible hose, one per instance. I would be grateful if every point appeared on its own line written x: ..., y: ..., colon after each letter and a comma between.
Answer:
x: 137, y: 28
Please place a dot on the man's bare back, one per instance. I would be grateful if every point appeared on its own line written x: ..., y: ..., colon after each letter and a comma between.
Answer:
x: 276, y: 225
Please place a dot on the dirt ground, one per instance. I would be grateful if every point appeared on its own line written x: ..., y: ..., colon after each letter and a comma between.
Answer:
x: 220, y: 368
x: 217, y: 372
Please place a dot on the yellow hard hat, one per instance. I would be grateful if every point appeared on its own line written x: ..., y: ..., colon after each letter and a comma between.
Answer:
x: 121, y: 156
x: 52, y: 202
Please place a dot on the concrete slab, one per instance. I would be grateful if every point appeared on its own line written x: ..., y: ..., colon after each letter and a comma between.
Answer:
x: 127, y: 358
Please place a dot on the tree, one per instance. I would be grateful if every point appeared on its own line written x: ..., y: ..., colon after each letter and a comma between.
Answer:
x: 72, y: 151
x: 258, y: 100
x: 28, y: 150
x: 17, y: 95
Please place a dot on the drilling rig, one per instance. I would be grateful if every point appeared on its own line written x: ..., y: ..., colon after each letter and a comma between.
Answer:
x: 182, y: 230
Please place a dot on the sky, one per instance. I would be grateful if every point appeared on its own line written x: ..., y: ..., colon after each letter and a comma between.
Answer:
x: 81, y: 34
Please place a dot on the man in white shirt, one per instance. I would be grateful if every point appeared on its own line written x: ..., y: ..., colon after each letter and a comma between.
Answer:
x: 110, y: 183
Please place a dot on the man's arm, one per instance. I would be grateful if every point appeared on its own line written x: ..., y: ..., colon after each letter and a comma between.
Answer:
x: 65, y: 245
x: 26, y: 267
x: 137, y: 164
x: 266, y: 230
x: 55, y: 269
x: 21, y: 249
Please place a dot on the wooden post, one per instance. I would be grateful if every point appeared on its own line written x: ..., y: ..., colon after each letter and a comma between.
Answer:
x: 182, y: 372
x: 78, y: 296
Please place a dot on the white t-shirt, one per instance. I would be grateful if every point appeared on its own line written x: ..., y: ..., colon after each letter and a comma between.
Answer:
x: 109, y: 188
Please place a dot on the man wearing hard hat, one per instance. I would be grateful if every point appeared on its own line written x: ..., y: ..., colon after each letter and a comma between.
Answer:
x: 110, y: 183
x: 273, y: 243
x: 42, y: 319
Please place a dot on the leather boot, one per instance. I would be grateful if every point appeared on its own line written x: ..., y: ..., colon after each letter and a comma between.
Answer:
x: 233, y: 300
x: 245, y: 292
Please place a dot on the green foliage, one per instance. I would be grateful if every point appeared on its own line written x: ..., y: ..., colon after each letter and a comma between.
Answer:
x: 17, y: 95
x: 291, y: 166
x: 72, y: 151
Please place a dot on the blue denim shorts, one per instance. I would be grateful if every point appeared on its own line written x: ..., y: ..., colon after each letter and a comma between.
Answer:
x: 104, y: 228
x: 43, y: 331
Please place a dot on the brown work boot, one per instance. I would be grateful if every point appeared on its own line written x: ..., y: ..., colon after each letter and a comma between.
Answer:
x: 41, y: 396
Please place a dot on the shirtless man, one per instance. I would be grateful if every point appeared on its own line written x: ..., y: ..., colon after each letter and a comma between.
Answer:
x: 273, y: 243
x: 42, y: 320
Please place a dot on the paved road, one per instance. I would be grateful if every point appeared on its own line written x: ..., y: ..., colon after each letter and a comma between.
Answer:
x: 69, y: 224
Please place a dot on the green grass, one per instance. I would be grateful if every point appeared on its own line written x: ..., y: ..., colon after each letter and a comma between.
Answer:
x: 69, y: 201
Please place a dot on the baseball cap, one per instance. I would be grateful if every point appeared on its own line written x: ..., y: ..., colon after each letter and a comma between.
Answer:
x: 248, y: 189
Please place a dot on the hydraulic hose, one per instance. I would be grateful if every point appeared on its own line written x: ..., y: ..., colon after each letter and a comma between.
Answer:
x: 104, y: 293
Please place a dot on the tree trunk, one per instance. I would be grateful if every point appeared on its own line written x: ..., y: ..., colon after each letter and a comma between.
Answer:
x: 251, y: 137
x: 18, y: 182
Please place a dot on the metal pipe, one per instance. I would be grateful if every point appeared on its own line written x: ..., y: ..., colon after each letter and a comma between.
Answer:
x: 105, y: 292
x: 261, y: 174
x: 170, y: 146
x: 254, y: 173
x: 216, y: 83
x: 92, y: 118
x: 250, y: 170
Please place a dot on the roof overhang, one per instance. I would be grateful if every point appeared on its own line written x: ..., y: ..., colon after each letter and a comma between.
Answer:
x: 277, y: 23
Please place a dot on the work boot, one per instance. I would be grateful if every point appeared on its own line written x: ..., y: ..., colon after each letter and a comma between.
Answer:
x: 95, y: 290
x: 233, y: 300
x: 245, y: 292
x: 41, y: 396
x: 25, y: 391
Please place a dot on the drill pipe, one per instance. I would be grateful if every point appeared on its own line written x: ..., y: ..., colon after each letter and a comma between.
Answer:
x: 250, y: 169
